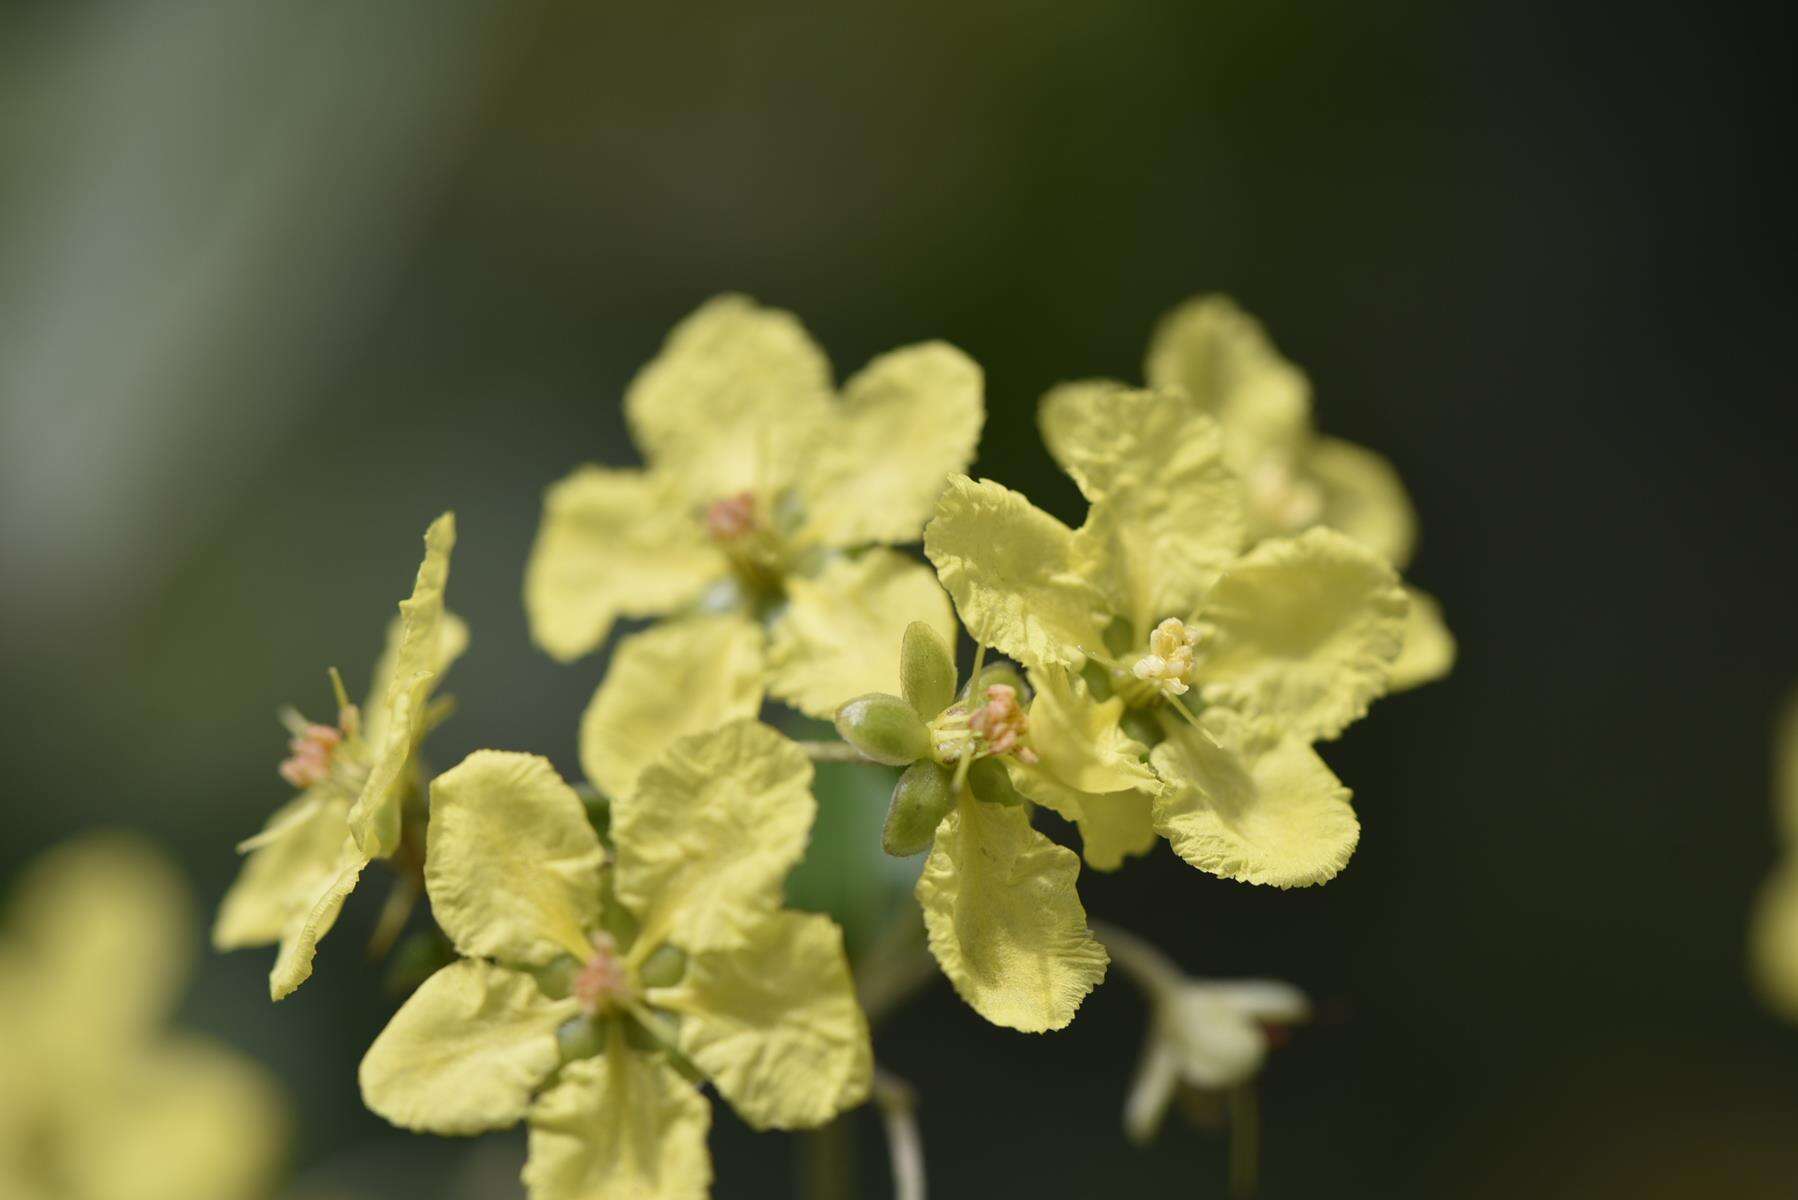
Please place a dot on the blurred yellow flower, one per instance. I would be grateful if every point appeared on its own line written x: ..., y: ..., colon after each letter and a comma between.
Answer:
x: 759, y: 482
x: 354, y: 778
x: 595, y: 995
x: 1773, y: 941
x: 98, y: 1100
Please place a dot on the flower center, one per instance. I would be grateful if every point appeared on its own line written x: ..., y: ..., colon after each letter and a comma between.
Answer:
x: 312, y: 748
x: 997, y: 726
x: 731, y: 518
x: 603, y: 983
x: 1171, y: 657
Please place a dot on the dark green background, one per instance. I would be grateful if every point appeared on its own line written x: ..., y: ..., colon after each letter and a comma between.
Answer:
x: 289, y: 279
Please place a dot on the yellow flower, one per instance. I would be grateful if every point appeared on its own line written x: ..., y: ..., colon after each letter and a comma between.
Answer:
x: 1773, y: 941
x: 1292, y: 478
x: 759, y: 481
x: 1151, y: 609
x: 1000, y: 907
x: 595, y: 994
x: 354, y: 777
x: 98, y: 1100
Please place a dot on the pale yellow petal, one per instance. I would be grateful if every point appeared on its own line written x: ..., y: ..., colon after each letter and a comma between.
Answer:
x: 313, y: 917
x: 1302, y: 631
x: 840, y: 633
x: 375, y: 817
x: 709, y: 835
x: 1221, y: 358
x: 511, y: 862
x: 622, y: 1126
x: 1363, y: 497
x: 732, y: 402
x: 1004, y: 920
x: 281, y: 877
x: 89, y: 914
x: 612, y: 544
x: 907, y: 421
x: 1245, y: 803
x: 662, y: 684
x: 1153, y: 466
x: 1773, y: 942
x: 189, y: 1120
x: 775, y: 1025
x: 1015, y: 574
x: 1428, y: 653
x: 452, y: 640
x: 466, y: 1051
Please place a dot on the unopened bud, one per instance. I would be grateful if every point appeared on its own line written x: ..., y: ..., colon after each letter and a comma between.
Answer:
x: 921, y: 799
x: 664, y: 967
x: 582, y: 1037
x: 926, y: 670
x: 884, y: 728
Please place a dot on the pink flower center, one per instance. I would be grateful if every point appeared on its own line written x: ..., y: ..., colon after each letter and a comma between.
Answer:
x: 730, y: 518
x: 1002, y: 723
x: 308, y: 761
x: 602, y: 984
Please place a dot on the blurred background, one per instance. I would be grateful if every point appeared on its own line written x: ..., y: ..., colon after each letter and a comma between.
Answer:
x: 283, y: 279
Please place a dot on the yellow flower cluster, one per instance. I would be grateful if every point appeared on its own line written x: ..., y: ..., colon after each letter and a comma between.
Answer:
x: 1231, y: 598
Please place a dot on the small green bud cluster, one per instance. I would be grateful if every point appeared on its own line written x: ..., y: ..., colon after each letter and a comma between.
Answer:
x: 945, y: 740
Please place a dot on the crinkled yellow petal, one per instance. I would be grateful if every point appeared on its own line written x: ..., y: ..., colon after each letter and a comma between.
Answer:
x: 452, y: 640
x: 1302, y: 631
x: 1773, y: 942
x: 907, y: 421
x: 839, y: 635
x: 314, y: 912
x: 511, y: 863
x: 775, y: 1025
x: 1428, y: 653
x: 622, y: 1126
x: 1363, y: 497
x: 1014, y: 573
x: 1153, y: 466
x: 188, y: 1120
x: 1222, y: 359
x: 280, y: 879
x: 710, y: 833
x: 465, y: 1052
x: 375, y: 817
x: 102, y: 925
x: 732, y: 402
x: 663, y: 684
x: 612, y: 544
x: 1004, y: 920
x: 1245, y: 803
x: 1088, y: 769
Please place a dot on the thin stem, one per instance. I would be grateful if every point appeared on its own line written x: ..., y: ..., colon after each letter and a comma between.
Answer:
x: 898, y: 1104
x: 827, y: 1162
x: 394, y: 915
x: 835, y: 752
x: 1245, y: 1141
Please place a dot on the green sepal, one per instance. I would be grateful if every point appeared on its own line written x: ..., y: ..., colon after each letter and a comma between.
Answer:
x: 926, y: 670
x: 884, y: 728
x: 990, y: 781
x: 921, y: 799
x: 556, y: 980
x: 665, y: 966
x: 582, y: 1037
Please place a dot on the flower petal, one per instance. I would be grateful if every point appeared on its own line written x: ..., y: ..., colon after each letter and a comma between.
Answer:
x: 187, y: 1120
x: 1363, y: 497
x: 625, y: 1125
x: 375, y: 817
x: 662, y: 684
x: 296, y: 854
x: 313, y: 915
x: 1088, y: 769
x: 1221, y: 358
x: 1245, y: 803
x: 775, y: 1025
x: 511, y: 863
x: 1428, y: 653
x: 840, y: 634
x: 465, y: 1052
x: 1773, y: 942
x: 1004, y: 920
x: 1302, y: 631
x: 612, y: 544
x: 710, y: 833
x: 907, y: 421
x: 1014, y: 573
x: 1151, y: 1090
x: 452, y: 640
x: 732, y: 402
x: 1153, y: 466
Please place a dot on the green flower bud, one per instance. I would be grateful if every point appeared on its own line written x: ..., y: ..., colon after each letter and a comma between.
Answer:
x: 926, y: 670
x: 990, y: 781
x: 582, y: 1037
x: 615, y: 918
x: 884, y: 728
x: 921, y: 799
x: 664, y: 967
x: 556, y: 980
